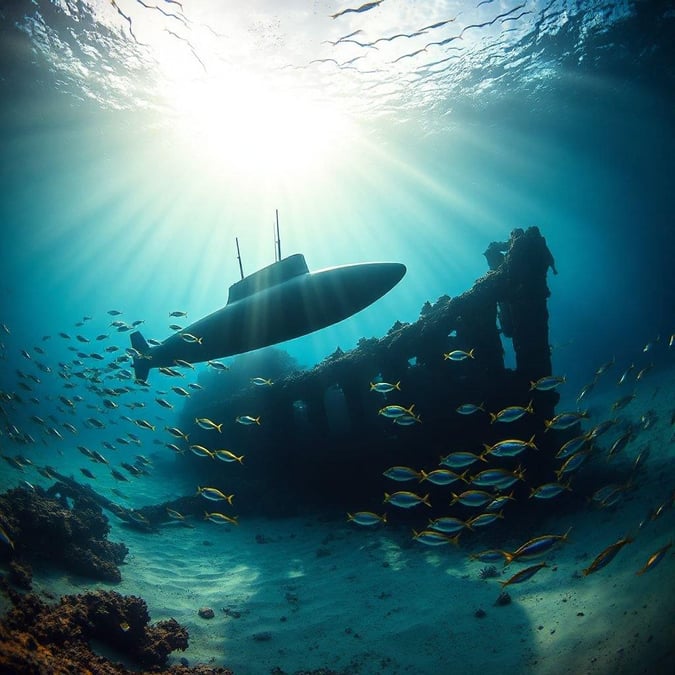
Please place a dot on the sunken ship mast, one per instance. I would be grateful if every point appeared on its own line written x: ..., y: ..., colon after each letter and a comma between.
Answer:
x: 277, y: 303
x: 321, y: 441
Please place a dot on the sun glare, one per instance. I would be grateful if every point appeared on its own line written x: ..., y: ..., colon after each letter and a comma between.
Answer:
x: 252, y: 127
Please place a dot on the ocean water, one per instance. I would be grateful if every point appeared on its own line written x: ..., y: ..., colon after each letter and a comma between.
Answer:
x: 139, y: 141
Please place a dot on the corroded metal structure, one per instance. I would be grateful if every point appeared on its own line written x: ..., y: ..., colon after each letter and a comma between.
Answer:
x: 321, y: 439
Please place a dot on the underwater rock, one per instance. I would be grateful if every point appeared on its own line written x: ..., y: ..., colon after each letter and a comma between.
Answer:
x: 35, y: 637
x: 21, y: 574
x: 45, y: 528
x: 206, y: 613
x: 503, y: 599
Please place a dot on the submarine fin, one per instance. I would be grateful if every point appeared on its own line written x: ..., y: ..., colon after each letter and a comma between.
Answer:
x: 142, y: 363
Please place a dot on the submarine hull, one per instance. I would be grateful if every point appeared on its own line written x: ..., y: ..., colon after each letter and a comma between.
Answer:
x: 303, y: 304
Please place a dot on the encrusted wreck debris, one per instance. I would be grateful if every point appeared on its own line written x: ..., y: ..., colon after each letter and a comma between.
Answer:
x: 321, y: 440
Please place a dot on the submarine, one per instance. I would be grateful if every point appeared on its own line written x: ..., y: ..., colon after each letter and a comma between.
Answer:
x: 276, y: 303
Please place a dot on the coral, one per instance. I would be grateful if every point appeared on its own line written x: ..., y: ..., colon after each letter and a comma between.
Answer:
x: 35, y: 637
x: 488, y: 572
x: 44, y: 527
x: 503, y: 599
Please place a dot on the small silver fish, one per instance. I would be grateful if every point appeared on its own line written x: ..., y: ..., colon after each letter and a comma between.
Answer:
x: 458, y: 355
x: 385, y: 387
x: 405, y: 500
x: 366, y: 518
x: 247, y: 420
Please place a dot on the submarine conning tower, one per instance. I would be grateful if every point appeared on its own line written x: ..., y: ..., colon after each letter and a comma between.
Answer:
x: 321, y: 441
x: 272, y: 275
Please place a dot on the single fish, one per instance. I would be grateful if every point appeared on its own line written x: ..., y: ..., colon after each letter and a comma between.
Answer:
x: 587, y: 389
x: 144, y: 424
x: 572, y: 463
x: 605, y: 367
x: 164, y: 403
x: 644, y: 371
x: 176, y: 515
x: 620, y: 443
x: 214, y: 494
x: 499, y: 502
x: 502, y: 478
x: 469, y: 408
x: 447, y: 524
x: 221, y: 518
x: 523, y: 575
x: 511, y: 413
x: 626, y: 373
x: 394, y: 411
x: 565, y: 420
x: 261, y: 382
x: 572, y: 446
x: 484, y: 519
x: 227, y: 456
x: 190, y: 338
x: 536, y: 547
x: 442, y: 476
x: 402, y: 473
x: 366, y: 518
x: 547, y: 382
x: 601, y: 428
x: 605, y: 557
x: 549, y: 490
x: 247, y: 420
x: 171, y: 372
x: 206, y: 423
x: 458, y: 355
x: 201, y: 451
x: 384, y: 387
x: 489, y: 556
x: 405, y: 500
x: 654, y: 559
x: 434, y: 538
x: 510, y: 447
x: 407, y: 420
x: 460, y: 459
x: 622, y: 402
x: 217, y: 365
x: 174, y: 431
x: 472, y: 498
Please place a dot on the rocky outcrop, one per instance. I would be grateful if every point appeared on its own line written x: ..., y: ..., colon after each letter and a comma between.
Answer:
x: 44, y: 527
x: 37, y: 638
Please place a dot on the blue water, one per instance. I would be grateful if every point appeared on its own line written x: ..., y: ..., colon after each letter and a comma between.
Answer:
x: 136, y: 144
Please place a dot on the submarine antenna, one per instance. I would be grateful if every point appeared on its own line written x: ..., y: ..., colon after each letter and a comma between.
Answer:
x: 278, y: 238
x: 241, y: 269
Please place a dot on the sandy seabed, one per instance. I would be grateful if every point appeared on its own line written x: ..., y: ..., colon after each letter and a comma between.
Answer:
x: 307, y: 593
